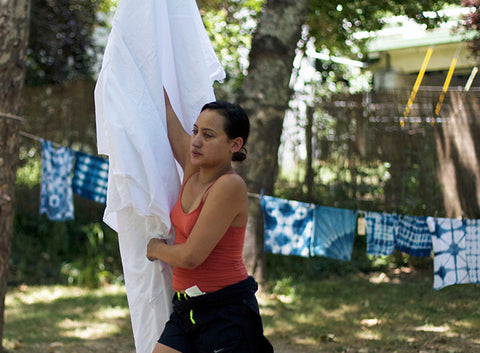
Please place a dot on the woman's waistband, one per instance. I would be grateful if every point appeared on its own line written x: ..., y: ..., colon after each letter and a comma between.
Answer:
x: 231, y: 294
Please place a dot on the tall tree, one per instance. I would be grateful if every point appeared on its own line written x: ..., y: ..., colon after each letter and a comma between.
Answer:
x: 265, y: 92
x: 264, y: 95
x: 14, y: 19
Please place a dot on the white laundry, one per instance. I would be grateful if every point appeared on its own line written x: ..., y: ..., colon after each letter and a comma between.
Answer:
x: 153, y: 44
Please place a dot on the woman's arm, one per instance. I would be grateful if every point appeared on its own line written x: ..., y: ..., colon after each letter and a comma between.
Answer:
x: 177, y: 136
x: 225, y: 206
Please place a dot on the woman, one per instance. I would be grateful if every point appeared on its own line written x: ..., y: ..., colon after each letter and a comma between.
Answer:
x: 214, y: 308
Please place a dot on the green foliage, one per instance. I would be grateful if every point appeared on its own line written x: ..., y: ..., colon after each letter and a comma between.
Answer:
x: 61, y: 44
x: 471, y: 22
x: 230, y: 25
x: 333, y: 23
x: 83, y: 252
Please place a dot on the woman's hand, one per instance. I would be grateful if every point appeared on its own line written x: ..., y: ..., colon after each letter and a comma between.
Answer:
x: 153, y: 247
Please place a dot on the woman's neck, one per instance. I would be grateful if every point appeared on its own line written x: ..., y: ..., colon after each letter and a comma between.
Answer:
x: 208, y: 175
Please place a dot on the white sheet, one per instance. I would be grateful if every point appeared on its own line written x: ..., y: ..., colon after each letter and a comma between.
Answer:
x: 153, y: 43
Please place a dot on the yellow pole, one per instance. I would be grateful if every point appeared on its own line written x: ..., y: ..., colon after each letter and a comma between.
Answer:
x: 445, y: 85
x: 417, y: 84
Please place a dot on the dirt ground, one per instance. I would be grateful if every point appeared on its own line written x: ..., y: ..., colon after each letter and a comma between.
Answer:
x: 125, y: 345
x: 119, y: 345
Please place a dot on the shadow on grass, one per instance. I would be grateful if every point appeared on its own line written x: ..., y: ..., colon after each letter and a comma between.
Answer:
x: 44, y: 319
x: 374, y: 312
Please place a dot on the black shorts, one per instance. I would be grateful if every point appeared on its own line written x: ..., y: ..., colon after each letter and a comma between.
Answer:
x: 225, y: 321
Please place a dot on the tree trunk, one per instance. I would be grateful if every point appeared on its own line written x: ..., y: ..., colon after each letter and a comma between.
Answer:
x: 309, y: 172
x: 13, y: 44
x: 264, y: 95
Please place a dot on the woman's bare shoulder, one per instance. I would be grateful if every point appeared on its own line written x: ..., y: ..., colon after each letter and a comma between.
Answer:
x: 230, y: 185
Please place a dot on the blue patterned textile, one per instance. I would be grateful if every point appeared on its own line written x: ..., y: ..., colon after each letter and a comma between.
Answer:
x: 90, y: 177
x: 334, y: 231
x: 288, y: 226
x: 56, y: 197
x: 382, y: 228
x: 449, y: 261
x: 413, y: 236
x: 472, y: 245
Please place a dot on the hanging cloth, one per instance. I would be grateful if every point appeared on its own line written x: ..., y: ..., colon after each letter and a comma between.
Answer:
x: 90, y: 177
x: 449, y: 253
x: 288, y: 226
x: 413, y: 236
x: 472, y: 248
x: 382, y: 228
x: 56, y: 196
x: 152, y: 45
x: 334, y: 232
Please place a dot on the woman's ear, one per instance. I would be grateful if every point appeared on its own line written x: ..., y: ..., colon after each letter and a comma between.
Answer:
x: 237, y: 144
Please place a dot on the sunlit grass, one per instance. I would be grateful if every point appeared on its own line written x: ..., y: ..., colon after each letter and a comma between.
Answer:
x: 376, y: 312
x: 351, y: 313
x: 40, y: 318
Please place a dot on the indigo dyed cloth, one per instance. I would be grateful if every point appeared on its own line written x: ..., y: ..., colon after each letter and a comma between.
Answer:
x: 413, y: 236
x: 334, y: 231
x: 288, y: 226
x: 56, y: 196
x: 382, y: 228
x: 90, y: 177
x: 472, y: 245
x: 449, y: 248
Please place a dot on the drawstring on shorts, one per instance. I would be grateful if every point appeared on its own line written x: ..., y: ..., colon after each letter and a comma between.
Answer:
x: 185, y: 297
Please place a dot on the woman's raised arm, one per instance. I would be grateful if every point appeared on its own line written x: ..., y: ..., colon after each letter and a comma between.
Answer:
x: 177, y: 136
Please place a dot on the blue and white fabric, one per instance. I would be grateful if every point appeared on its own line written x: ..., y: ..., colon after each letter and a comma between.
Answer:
x: 288, y: 226
x: 413, y: 236
x: 382, y: 228
x: 472, y: 245
x: 334, y: 232
x: 90, y: 177
x: 449, y: 248
x: 56, y: 196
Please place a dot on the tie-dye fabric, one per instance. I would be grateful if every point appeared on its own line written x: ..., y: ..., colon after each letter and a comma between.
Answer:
x: 90, y: 177
x: 334, y: 231
x: 472, y: 248
x: 56, y: 196
x: 413, y: 236
x: 382, y: 228
x: 449, y: 247
x: 288, y: 226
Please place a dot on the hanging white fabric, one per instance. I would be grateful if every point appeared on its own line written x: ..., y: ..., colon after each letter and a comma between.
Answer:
x: 153, y: 44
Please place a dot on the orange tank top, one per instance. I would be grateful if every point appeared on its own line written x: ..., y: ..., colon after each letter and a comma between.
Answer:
x: 223, y: 267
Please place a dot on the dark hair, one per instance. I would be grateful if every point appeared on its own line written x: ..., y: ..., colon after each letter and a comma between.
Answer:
x: 236, y: 124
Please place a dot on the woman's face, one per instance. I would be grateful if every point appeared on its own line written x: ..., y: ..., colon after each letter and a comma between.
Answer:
x: 209, y: 144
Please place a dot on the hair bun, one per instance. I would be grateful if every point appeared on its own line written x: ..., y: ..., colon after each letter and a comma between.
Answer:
x: 240, y: 155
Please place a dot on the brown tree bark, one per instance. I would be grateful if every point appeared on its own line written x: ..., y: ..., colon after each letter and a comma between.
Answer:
x: 264, y: 95
x: 14, y: 19
x: 309, y: 171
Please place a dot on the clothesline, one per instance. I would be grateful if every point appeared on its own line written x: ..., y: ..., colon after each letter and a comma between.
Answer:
x: 38, y: 138
x: 11, y: 116
x: 361, y: 213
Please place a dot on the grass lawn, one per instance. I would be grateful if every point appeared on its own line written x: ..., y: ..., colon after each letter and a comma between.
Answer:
x: 379, y: 312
